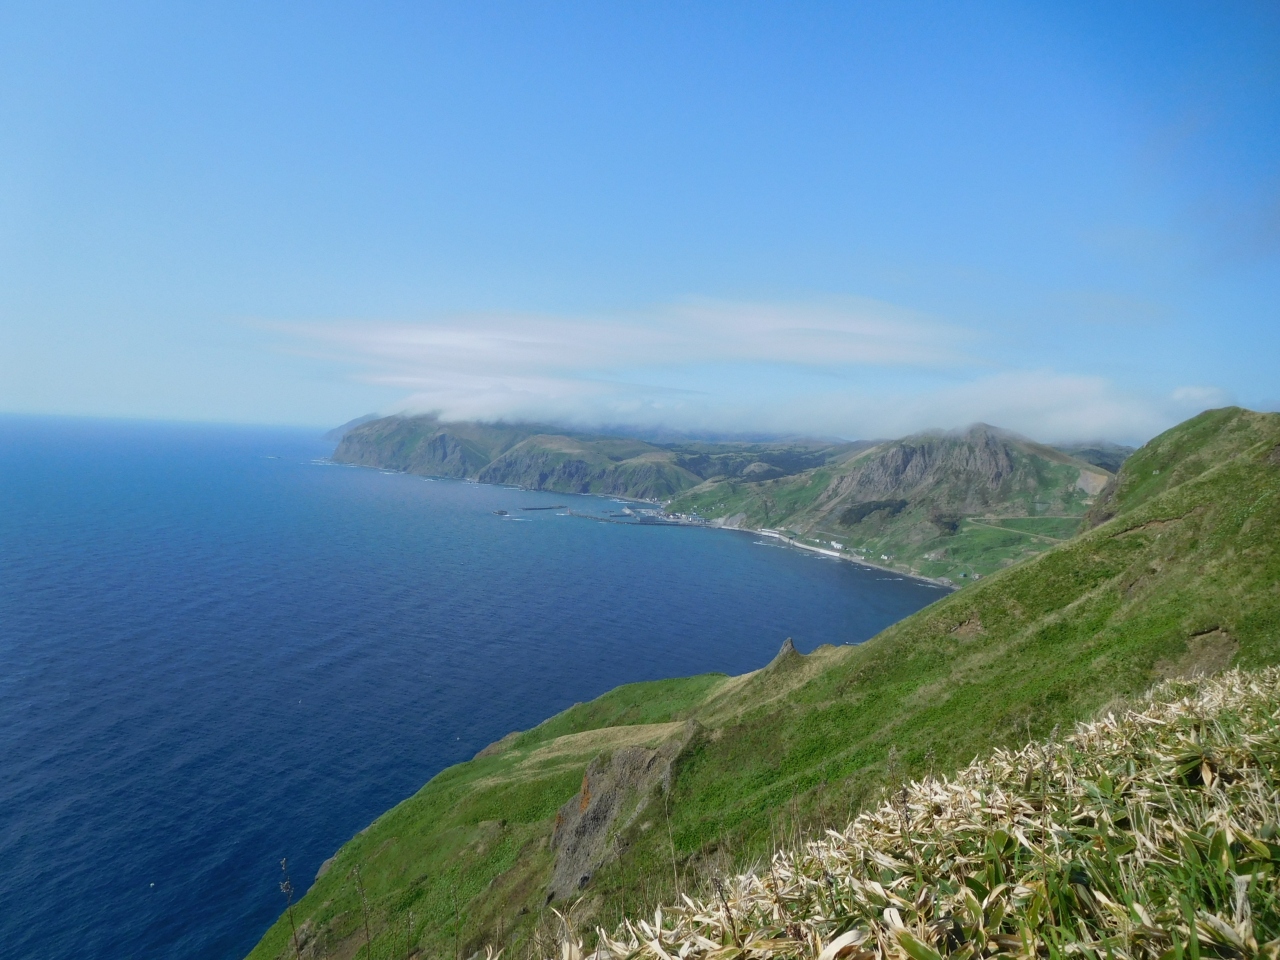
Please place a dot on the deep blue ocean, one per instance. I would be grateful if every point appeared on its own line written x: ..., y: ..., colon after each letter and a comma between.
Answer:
x: 216, y: 651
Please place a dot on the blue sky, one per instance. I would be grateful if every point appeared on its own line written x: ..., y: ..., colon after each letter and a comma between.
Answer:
x: 850, y: 219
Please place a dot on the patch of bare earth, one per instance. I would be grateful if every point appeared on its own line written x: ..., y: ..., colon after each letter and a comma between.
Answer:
x: 1207, y: 653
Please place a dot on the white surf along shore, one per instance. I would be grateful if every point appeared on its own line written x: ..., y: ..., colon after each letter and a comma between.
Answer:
x: 828, y: 552
x: 654, y: 512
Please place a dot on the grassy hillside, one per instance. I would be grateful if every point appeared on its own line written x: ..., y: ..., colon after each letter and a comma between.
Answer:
x: 607, y: 465
x: 953, y: 505
x: 654, y: 788
x: 1179, y: 455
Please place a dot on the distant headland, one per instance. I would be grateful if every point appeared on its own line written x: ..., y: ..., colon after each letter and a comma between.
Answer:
x: 948, y: 506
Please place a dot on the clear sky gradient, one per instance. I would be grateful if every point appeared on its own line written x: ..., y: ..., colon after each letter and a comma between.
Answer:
x: 851, y: 219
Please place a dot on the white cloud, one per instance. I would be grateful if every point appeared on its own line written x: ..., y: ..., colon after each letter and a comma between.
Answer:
x: 1044, y: 404
x: 697, y: 331
x: 857, y: 368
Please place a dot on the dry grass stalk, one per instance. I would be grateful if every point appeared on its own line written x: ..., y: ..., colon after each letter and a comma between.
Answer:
x: 1151, y: 835
x: 286, y: 888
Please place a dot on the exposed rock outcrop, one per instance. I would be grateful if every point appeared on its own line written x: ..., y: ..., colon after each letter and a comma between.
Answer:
x: 785, y: 653
x: 964, y: 471
x: 616, y: 789
x: 397, y: 444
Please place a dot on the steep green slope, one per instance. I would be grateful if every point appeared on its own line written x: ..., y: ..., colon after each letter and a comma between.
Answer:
x: 1195, y: 447
x: 936, y: 504
x: 655, y: 787
x: 426, y: 446
x: 527, y: 455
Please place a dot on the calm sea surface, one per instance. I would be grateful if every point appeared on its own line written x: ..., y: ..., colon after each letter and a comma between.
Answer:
x: 216, y: 652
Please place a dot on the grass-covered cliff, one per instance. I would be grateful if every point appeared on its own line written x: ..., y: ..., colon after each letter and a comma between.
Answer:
x: 620, y: 803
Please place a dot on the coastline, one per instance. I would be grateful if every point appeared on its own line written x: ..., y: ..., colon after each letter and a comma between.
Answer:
x: 675, y: 521
x: 837, y: 555
x: 329, y: 461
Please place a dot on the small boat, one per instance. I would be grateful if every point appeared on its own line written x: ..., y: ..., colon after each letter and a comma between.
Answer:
x: 499, y: 513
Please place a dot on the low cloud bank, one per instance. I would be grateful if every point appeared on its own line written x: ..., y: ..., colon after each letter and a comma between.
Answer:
x: 856, y: 369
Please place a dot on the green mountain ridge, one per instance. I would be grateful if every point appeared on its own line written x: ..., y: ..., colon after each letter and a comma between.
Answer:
x: 541, y: 457
x: 939, y: 504
x: 655, y: 789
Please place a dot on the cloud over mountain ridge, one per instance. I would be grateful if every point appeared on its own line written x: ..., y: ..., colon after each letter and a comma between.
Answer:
x: 854, y: 368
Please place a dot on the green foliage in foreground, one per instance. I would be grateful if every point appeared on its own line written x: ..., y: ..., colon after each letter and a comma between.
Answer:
x: 1183, y: 579
x: 1150, y: 834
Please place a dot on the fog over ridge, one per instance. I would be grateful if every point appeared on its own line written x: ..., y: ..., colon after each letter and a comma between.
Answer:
x: 853, y: 368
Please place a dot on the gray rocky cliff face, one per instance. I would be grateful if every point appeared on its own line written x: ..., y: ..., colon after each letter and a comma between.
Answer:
x: 616, y: 789
x: 545, y: 471
x: 397, y: 448
x: 443, y: 456
x: 785, y: 653
x: 964, y: 473
x: 910, y: 466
